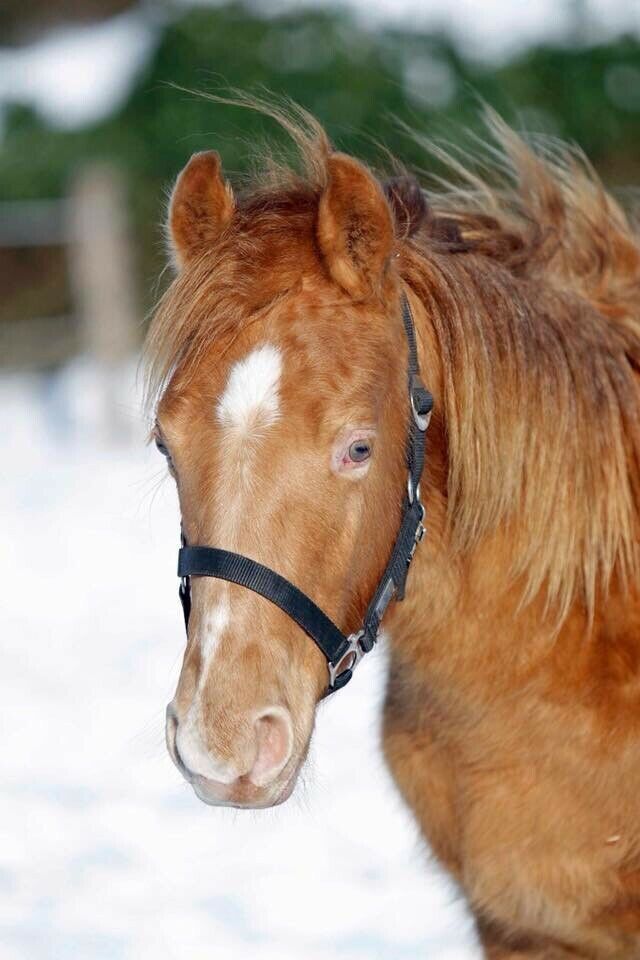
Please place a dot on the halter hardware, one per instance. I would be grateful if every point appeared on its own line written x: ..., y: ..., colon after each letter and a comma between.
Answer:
x: 421, y: 403
x: 343, y: 653
x: 347, y: 662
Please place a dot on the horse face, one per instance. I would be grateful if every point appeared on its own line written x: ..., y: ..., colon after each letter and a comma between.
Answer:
x: 287, y: 445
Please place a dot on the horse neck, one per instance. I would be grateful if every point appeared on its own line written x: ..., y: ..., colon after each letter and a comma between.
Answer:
x: 475, y: 594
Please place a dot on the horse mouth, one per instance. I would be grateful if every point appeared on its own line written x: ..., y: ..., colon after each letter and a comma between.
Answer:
x: 243, y: 796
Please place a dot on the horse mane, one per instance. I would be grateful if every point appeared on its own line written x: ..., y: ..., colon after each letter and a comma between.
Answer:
x: 539, y: 335
x: 530, y: 274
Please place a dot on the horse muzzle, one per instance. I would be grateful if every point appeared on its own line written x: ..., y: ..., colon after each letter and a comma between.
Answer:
x: 259, y: 769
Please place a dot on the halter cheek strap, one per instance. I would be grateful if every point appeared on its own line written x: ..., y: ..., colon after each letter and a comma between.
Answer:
x: 343, y: 653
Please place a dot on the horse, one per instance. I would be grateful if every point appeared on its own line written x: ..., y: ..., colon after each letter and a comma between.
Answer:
x: 277, y: 373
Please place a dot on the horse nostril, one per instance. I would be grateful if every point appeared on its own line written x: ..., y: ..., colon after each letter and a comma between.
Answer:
x: 274, y: 740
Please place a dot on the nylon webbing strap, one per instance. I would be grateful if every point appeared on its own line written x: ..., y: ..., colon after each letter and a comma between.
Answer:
x: 211, y: 562
x: 392, y: 582
x: 420, y: 400
x: 394, y: 577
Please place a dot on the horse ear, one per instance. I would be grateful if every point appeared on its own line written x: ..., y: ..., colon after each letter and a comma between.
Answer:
x: 355, y: 227
x: 202, y: 205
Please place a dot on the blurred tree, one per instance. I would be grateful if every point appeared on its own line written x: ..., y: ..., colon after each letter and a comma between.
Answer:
x: 358, y: 81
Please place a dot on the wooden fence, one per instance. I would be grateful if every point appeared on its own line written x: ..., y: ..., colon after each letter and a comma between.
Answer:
x: 91, y: 226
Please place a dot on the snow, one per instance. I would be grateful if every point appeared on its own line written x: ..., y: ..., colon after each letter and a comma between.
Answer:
x: 105, y: 854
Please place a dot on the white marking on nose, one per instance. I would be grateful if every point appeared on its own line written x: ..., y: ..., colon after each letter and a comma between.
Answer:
x: 217, y: 621
x: 251, y: 392
x: 195, y: 756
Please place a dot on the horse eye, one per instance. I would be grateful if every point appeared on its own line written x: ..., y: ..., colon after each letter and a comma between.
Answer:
x: 359, y: 450
x: 160, y: 446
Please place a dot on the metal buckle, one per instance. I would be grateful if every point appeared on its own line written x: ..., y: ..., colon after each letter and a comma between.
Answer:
x: 385, y: 598
x: 418, y: 536
x: 349, y: 659
x: 420, y: 529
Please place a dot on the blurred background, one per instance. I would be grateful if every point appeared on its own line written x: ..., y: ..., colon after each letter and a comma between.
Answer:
x: 104, y: 853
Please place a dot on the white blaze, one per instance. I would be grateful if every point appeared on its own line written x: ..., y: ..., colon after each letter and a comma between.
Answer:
x: 251, y: 394
x: 214, y: 626
x: 250, y: 399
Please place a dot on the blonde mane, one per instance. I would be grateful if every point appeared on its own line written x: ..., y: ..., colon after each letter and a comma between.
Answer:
x: 530, y: 275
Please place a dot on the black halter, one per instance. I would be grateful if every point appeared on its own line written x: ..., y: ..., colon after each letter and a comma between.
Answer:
x: 343, y: 653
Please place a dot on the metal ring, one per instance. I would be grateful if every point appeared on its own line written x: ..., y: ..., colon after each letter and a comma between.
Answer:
x: 349, y: 659
x: 411, y: 493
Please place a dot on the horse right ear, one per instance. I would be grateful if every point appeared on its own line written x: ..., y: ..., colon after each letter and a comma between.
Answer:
x: 202, y: 204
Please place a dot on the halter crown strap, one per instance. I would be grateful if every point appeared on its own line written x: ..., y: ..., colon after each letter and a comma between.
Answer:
x: 342, y: 653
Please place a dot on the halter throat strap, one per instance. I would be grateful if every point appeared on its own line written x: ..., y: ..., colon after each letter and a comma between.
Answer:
x: 342, y: 652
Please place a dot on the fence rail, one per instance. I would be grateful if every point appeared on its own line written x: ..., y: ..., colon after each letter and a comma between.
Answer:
x: 91, y: 225
x: 34, y: 223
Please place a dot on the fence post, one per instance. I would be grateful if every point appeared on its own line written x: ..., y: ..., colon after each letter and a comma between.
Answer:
x: 102, y: 277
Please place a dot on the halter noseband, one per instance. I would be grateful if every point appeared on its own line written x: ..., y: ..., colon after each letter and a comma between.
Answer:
x: 343, y: 653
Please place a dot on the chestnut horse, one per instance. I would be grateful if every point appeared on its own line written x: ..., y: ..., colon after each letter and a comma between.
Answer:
x: 277, y: 369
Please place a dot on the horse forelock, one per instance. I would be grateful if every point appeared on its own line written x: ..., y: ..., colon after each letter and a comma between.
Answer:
x: 255, y: 263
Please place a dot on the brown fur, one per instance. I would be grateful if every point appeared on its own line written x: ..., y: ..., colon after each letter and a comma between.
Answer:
x: 512, y: 717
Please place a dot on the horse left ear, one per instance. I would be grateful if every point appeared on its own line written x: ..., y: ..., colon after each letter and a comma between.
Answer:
x: 202, y: 204
x: 355, y: 227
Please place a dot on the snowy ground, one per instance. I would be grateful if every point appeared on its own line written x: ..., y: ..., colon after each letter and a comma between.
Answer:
x: 104, y: 853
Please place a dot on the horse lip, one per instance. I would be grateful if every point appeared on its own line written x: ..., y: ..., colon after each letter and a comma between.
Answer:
x: 200, y: 786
